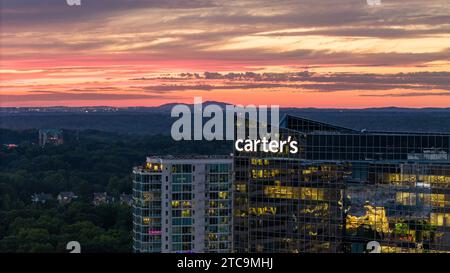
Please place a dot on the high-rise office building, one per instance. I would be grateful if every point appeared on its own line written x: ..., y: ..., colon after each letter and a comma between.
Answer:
x: 343, y: 189
x: 50, y: 136
x: 183, y: 204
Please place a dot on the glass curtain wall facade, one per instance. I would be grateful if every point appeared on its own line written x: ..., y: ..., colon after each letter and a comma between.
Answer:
x: 343, y: 189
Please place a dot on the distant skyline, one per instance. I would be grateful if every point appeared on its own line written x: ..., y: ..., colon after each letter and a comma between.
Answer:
x: 311, y: 53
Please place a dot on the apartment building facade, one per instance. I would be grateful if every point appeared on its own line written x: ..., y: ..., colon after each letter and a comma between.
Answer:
x: 183, y: 204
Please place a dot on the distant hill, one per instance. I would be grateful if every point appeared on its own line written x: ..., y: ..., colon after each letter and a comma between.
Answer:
x: 157, y: 120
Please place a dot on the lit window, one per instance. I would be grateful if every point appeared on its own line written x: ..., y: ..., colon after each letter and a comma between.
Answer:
x: 223, y: 195
x: 437, y: 219
x: 241, y: 187
x: 186, y: 213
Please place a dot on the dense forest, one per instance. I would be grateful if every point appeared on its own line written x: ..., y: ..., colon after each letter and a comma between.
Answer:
x: 89, y: 161
x: 152, y: 121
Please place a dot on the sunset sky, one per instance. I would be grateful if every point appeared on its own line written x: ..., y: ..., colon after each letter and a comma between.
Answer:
x: 302, y: 53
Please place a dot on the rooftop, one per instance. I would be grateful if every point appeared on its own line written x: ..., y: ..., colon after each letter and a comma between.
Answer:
x: 193, y: 157
x: 311, y: 126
